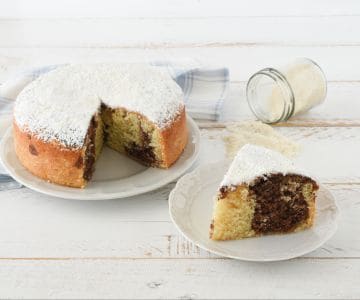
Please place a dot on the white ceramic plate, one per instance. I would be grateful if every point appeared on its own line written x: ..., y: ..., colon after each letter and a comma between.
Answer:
x: 191, y: 206
x: 116, y: 176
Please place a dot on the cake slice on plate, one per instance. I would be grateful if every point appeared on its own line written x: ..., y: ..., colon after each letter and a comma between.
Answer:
x: 262, y: 193
x: 63, y: 118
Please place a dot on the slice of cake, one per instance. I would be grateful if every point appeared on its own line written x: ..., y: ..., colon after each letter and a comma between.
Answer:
x: 262, y: 193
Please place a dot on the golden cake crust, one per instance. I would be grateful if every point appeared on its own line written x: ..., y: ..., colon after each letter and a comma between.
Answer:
x: 58, y: 164
x: 174, y: 140
x: 49, y: 160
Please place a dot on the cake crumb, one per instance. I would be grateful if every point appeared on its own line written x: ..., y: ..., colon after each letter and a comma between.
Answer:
x: 257, y: 133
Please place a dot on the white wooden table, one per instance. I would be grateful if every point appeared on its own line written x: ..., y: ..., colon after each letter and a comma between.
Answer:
x: 128, y: 248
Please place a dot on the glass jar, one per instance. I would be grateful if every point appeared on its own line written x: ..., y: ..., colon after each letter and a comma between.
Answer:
x: 276, y: 94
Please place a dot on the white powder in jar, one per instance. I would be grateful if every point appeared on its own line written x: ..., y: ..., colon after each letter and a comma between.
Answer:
x: 307, y: 82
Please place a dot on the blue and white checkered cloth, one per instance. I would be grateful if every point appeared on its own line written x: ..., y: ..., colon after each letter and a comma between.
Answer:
x: 204, y: 89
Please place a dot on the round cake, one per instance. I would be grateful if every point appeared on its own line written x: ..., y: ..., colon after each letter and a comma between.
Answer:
x: 63, y: 118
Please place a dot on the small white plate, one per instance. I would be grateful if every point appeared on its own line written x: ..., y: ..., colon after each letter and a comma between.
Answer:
x: 191, y: 206
x: 116, y: 176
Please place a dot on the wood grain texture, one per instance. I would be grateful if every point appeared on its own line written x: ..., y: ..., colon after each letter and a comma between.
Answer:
x: 339, y: 62
x: 140, y: 227
x: 180, y: 279
x: 128, y: 248
x: 342, y: 90
x: 176, y: 8
x: 320, y: 148
x: 145, y: 32
x: 56, y: 229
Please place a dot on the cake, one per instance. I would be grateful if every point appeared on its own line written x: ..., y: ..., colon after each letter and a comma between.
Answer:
x: 63, y: 118
x: 262, y: 193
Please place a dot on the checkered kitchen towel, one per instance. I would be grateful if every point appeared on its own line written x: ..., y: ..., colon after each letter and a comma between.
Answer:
x: 204, y: 88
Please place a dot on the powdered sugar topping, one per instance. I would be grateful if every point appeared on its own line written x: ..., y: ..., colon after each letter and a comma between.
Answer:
x: 253, y: 161
x: 60, y: 104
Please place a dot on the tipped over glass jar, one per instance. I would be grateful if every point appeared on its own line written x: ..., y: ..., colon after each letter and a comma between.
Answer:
x: 276, y: 94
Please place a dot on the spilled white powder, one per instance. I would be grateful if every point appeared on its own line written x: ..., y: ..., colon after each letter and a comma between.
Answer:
x: 60, y: 104
x: 253, y: 161
x: 257, y: 133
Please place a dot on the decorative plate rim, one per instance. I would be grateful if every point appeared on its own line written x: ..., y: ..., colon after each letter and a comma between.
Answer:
x: 188, y: 180
x: 78, y: 194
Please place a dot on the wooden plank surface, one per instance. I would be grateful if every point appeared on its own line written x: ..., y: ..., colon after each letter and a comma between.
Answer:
x: 343, y: 89
x: 136, y: 228
x: 320, y: 148
x: 51, y: 227
x: 147, y: 32
x: 54, y: 236
x: 340, y: 63
x: 180, y: 279
x: 176, y: 8
x: 128, y: 248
